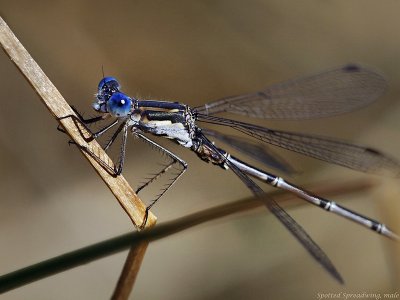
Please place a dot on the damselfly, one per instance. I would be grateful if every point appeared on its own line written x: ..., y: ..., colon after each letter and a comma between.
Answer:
x: 325, y: 94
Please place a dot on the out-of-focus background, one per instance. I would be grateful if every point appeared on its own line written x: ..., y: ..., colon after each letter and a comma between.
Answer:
x: 193, y: 51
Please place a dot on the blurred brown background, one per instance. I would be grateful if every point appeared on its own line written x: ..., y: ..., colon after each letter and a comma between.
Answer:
x: 193, y: 51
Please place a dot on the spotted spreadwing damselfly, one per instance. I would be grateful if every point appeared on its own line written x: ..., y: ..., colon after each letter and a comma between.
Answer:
x: 325, y: 94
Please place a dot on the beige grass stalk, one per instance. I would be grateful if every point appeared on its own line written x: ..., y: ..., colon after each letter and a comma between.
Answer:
x: 60, y: 109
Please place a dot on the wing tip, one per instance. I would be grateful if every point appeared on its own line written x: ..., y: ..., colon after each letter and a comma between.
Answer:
x: 352, y: 67
x: 338, y: 277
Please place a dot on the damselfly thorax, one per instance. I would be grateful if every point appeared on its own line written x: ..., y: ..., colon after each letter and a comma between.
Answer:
x: 175, y: 121
x: 171, y: 120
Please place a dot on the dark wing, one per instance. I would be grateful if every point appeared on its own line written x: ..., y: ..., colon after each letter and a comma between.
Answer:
x: 327, y: 149
x: 257, y: 151
x: 294, y: 228
x: 325, y: 94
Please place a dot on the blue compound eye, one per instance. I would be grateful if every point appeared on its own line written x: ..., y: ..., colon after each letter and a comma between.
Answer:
x: 119, y: 105
x: 108, y: 83
x: 107, y: 87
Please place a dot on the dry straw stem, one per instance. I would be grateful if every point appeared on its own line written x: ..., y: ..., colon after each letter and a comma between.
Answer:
x: 103, y: 249
x: 130, y: 271
x: 59, y: 108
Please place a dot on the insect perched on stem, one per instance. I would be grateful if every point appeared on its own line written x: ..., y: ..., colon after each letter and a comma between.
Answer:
x: 325, y: 94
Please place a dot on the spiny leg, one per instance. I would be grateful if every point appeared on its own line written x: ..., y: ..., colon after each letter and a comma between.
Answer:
x: 78, y: 122
x: 116, y: 170
x: 90, y: 120
x: 79, y: 118
x: 156, y: 176
x: 124, y: 128
x: 175, y: 159
x: 116, y: 133
x: 92, y: 135
x: 105, y: 129
x: 82, y: 119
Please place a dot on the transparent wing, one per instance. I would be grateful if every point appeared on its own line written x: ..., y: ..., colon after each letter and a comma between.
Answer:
x: 325, y: 94
x: 257, y: 151
x: 292, y: 226
x: 327, y: 149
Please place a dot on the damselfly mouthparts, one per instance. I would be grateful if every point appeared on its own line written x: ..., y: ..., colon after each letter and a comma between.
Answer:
x: 325, y: 94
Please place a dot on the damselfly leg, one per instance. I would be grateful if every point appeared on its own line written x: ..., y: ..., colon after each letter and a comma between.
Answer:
x: 80, y: 121
x: 123, y: 130
x: 175, y: 160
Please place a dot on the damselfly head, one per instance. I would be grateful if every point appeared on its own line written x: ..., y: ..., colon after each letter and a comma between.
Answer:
x: 106, y: 88
x: 119, y: 105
